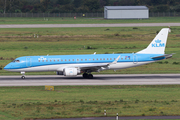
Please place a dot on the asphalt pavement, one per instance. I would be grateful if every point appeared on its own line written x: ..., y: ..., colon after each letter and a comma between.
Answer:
x: 104, y: 79
x: 88, y: 25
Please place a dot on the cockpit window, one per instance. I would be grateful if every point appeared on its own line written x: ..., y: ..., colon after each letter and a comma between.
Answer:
x: 16, y: 61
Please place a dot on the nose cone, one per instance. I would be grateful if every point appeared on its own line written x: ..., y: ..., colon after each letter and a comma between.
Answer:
x: 7, y: 67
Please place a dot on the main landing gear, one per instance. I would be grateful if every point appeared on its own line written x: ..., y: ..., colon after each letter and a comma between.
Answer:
x: 23, y: 75
x: 86, y: 75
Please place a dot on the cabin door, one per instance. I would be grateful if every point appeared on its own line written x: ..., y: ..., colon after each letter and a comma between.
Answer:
x: 135, y: 59
x: 28, y: 61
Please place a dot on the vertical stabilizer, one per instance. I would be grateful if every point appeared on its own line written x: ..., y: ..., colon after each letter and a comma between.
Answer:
x: 157, y: 46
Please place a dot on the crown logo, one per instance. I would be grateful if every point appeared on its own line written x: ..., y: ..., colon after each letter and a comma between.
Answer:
x: 158, y: 41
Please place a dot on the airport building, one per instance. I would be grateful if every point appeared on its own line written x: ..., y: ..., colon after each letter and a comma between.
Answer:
x: 126, y: 12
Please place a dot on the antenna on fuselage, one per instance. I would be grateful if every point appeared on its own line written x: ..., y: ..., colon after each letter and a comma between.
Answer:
x: 94, y: 53
x: 169, y: 29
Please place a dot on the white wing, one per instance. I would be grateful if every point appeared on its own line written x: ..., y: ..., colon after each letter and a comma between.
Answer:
x: 96, y: 66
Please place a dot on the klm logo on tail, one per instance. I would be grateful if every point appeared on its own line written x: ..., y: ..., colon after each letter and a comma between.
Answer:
x: 158, y: 44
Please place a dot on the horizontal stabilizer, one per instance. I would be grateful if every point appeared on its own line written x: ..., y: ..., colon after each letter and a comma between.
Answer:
x: 162, y: 56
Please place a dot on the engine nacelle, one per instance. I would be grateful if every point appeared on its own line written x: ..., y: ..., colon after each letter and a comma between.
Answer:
x: 70, y: 71
x: 59, y: 73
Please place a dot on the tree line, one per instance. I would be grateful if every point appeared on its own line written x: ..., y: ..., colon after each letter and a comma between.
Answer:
x: 82, y: 6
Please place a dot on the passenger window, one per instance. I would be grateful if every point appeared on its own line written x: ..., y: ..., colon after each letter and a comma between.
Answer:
x: 42, y: 60
x: 46, y: 60
x: 39, y: 60
x: 85, y: 59
x: 110, y: 58
x: 103, y: 58
x: 77, y: 59
x: 65, y: 59
x: 89, y: 59
x: 73, y: 59
x: 69, y: 60
x: 61, y: 59
x: 114, y: 58
x: 58, y: 60
x: 107, y: 59
x: 97, y: 58
x: 50, y: 60
x: 54, y: 60
x: 93, y: 59
x: 81, y: 59
x: 121, y: 58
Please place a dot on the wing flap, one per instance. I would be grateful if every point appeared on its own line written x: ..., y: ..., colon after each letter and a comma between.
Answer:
x: 94, y: 65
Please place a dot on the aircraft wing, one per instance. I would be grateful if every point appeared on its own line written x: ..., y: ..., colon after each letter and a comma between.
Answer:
x: 162, y: 56
x: 98, y: 66
x: 92, y: 67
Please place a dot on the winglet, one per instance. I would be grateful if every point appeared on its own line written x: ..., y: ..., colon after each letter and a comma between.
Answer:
x: 114, y: 62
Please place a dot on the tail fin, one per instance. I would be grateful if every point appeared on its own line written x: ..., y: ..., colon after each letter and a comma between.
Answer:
x: 157, y: 46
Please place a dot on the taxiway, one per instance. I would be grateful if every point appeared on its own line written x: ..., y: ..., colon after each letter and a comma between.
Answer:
x: 87, y: 25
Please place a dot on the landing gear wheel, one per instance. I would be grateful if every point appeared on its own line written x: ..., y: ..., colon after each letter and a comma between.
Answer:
x: 90, y: 76
x: 85, y: 75
x: 23, y: 77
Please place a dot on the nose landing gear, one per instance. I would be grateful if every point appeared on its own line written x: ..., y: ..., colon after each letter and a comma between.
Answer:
x: 23, y: 75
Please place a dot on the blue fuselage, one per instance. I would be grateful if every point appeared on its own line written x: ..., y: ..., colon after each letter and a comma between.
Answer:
x: 40, y: 61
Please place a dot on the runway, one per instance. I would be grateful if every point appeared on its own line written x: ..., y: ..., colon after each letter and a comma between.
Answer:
x: 87, y: 25
x: 112, y: 79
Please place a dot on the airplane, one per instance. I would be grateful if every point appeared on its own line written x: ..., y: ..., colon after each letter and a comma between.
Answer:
x: 73, y: 65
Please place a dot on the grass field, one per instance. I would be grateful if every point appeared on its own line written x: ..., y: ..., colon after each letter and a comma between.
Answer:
x: 60, y: 41
x: 67, y: 20
x: 86, y: 101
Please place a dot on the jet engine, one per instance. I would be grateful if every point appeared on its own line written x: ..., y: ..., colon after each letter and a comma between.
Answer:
x: 71, y: 71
